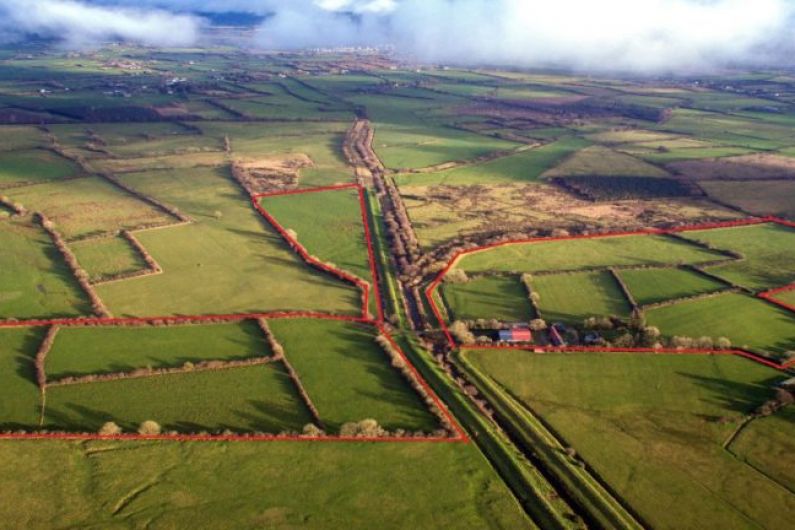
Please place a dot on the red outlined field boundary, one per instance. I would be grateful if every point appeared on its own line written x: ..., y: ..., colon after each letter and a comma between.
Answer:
x: 769, y: 296
x: 458, y: 435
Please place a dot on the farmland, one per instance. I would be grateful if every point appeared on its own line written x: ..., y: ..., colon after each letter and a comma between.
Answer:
x: 188, y: 236
x: 652, y: 428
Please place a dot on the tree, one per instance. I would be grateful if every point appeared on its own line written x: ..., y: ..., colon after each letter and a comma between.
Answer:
x: 538, y: 324
x: 149, y: 427
x: 313, y: 431
x: 723, y: 343
x: 109, y: 429
x: 461, y: 332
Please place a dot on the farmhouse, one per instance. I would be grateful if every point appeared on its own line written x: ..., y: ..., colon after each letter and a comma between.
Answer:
x: 517, y: 334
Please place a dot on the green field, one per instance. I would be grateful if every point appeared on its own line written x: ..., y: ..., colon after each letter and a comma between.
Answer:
x: 768, y: 444
x: 251, y: 485
x: 34, y: 166
x: 34, y: 280
x: 651, y: 286
x: 108, y: 257
x: 20, y: 403
x: 649, y: 426
x: 329, y: 225
x: 787, y: 296
x: 577, y: 296
x: 747, y: 321
x: 92, y: 350
x: 769, y: 251
x: 240, y: 262
x: 503, y: 298
x: 525, y: 166
x: 771, y: 197
x: 601, y: 161
x: 349, y: 377
x: 572, y: 255
x: 255, y: 399
x: 87, y: 206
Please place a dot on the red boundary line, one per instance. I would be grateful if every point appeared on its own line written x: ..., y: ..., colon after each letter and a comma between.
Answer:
x: 459, y: 437
x: 430, y: 291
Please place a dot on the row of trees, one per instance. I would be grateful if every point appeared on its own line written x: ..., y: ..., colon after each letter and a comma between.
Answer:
x: 41, y: 357
x: 14, y: 206
x: 97, y: 306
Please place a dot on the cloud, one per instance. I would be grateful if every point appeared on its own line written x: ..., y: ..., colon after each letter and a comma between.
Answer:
x: 637, y: 35
x: 79, y: 24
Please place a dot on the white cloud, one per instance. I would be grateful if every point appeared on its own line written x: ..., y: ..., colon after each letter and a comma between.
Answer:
x: 80, y: 24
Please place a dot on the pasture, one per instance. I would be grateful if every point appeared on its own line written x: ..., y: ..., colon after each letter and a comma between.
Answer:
x: 652, y: 426
x: 652, y: 286
x: 349, y: 377
x: 768, y: 250
x: 34, y: 166
x: 773, y: 197
x: 745, y: 320
x: 577, y: 254
x: 34, y: 279
x: 97, y: 350
x: 240, y: 262
x: 244, y: 399
x: 20, y: 400
x: 574, y: 297
x: 500, y: 297
x: 107, y: 257
x: 218, y: 485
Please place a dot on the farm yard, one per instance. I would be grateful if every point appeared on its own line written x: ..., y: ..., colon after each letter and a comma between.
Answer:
x: 229, y: 280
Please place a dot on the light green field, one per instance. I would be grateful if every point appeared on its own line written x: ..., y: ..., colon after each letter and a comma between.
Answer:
x: 251, y: 485
x: 257, y: 398
x: 230, y: 263
x: 34, y: 280
x: 407, y: 146
x: 772, y: 197
x: 86, y: 206
x: 349, y: 377
x: 768, y: 444
x: 503, y: 298
x: 19, y: 395
x: 525, y: 166
x: 107, y: 257
x: 649, y: 426
x: 598, y: 160
x: 769, y: 252
x: 36, y: 165
x: 746, y: 320
x: 577, y: 254
x: 329, y: 225
x: 577, y: 296
x: 92, y: 350
x: 650, y: 286
x: 18, y: 137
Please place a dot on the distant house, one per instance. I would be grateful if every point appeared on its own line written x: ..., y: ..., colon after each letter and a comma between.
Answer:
x: 515, y: 335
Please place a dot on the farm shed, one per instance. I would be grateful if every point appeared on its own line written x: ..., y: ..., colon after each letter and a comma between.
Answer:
x: 515, y: 335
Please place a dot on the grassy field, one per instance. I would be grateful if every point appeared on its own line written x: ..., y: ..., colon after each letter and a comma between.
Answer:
x: 649, y: 426
x: 329, y: 225
x: 108, y: 257
x: 650, y: 286
x: 769, y: 252
x: 526, y: 166
x: 598, y: 160
x: 19, y: 396
x: 349, y: 377
x: 773, y: 197
x: 577, y: 296
x: 787, y: 296
x: 34, y: 280
x: 87, y: 206
x: 746, y: 320
x: 240, y: 262
x: 34, y: 166
x: 577, y: 254
x: 768, y: 444
x: 251, y: 485
x: 82, y: 351
x: 503, y: 298
x: 257, y: 398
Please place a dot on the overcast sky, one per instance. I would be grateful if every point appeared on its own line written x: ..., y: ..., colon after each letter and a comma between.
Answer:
x: 638, y: 35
